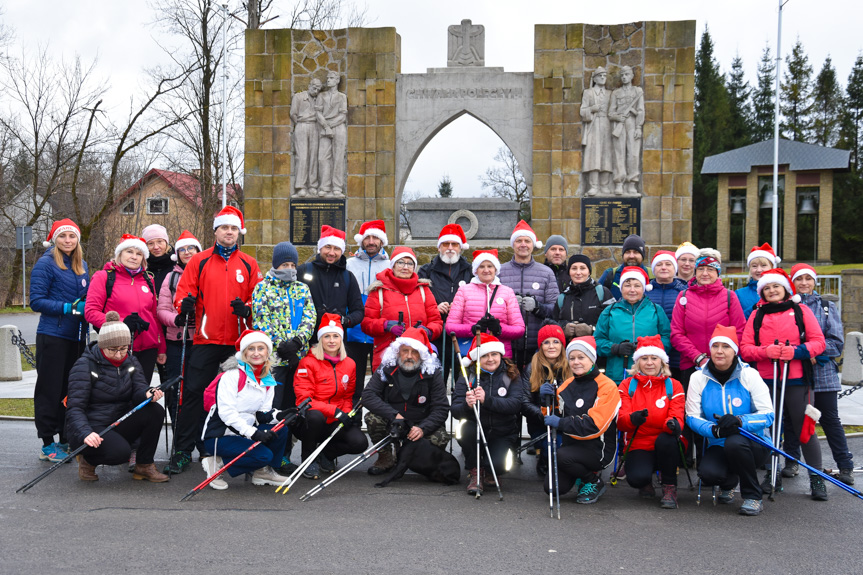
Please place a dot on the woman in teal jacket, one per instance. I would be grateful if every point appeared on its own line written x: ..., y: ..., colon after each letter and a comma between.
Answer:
x: 621, y: 324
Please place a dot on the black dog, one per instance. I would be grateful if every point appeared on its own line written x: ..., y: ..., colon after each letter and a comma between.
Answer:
x: 421, y: 457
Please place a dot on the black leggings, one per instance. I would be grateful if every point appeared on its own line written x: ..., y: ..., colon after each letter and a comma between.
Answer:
x: 738, y: 460
x: 315, y: 430
x: 665, y: 457
x: 574, y: 462
x: 144, y: 425
x: 827, y: 403
x: 796, y: 398
x: 498, y: 445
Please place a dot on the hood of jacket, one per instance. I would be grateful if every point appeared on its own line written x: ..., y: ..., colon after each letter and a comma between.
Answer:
x: 380, y: 256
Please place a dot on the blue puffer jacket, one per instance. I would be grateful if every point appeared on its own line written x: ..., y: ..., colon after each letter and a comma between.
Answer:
x: 664, y: 295
x: 537, y: 280
x: 744, y: 394
x: 50, y: 288
x: 748, y: 297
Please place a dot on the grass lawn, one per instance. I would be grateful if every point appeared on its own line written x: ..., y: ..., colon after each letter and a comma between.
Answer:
x: 836, y: 269
x: 15, y: 309
x: 16, y: 407
x: 24, y: 365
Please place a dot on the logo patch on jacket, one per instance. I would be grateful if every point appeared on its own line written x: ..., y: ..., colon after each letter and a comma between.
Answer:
x: 501, y: 391
x: 240, y: 278
x: 302, y: 371
x: 660, y: 403
x: 421, y: 399
x: 736, y: 402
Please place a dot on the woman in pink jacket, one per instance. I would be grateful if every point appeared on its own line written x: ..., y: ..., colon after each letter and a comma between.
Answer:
x: 781, y: 330
x: 123, y: 286
x: 486, y: 304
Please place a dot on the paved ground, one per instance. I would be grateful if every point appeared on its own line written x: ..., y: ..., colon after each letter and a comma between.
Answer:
x: 26, y: 322
x: 121, y: 525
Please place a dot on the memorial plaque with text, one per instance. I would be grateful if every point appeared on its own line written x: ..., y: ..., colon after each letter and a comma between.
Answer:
x: 307, y: 217
x: 607, y: 221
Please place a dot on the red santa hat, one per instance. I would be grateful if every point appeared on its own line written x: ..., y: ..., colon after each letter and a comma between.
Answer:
x: 763, y: 251
x: 635, y: 273
x: 230, y: 216
x: 452, y: 233
x: 330, y: 236
x: 585, y: 344
x: 650, y: 345
x: 403, y: 252
x: 250, y: 336
x: 803, y: 269
x: 417, y: 339
x: 130, y: 241
x: 482, y: 344
x: 663, y: 256
x: 60, y: 226
x: 778, y: 276
x: 725, y: 335
x: 185, y: 240
x: 522, y: 229
x: 480, y: 256
x: 686, y: 248
x: 330, y: 323
x: 375, y: 228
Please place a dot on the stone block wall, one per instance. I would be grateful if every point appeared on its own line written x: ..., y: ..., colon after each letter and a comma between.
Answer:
x: 662, y: 57
x: 852, y: 301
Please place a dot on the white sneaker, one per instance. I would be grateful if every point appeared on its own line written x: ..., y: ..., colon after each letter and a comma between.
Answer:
x: 211, y: 465
x: 267, y: 476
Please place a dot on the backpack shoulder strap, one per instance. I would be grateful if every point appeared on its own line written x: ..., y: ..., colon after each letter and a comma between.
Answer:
x: 172, y: 283
x: 423, y: 293
x: 109, y: 286
x: 148, y: 277
x: 241, y: 381
x: 95, y: 372
x: 756, y: 325
x: 798, y: 319
x: 633, y: 383
x: 561, y: 296
x: 600, y: 292
x: 669, y: 388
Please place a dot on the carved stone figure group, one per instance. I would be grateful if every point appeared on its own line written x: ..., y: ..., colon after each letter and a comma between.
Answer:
x: 320, y: 139
x: 612, y: 134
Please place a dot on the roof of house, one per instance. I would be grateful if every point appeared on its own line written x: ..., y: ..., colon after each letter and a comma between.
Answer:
x: 796, y: 155
x: 184, y: 184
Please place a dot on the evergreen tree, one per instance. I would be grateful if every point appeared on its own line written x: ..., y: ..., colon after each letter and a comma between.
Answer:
x: 740, y: 109
x: 851, y: 128
x: 827, y: 106
x: 795, y: 96
x: 444, y: 188
x: 763, y: 103
x: 710, y: 136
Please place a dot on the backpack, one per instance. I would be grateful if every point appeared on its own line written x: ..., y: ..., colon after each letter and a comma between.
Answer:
x: 600, y: 293
x: 112, y: 277
x: 210, y: 392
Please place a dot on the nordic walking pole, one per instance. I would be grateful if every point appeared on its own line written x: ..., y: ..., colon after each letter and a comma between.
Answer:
x: 529, y: 444
x: 341, y: 472
x: 478, y: 423
x: 550, y: 478
x: 685, y: 465
x: 176, y: 415
x: 289, y: 419
x: 777, y: 416
x: 68, y: 458
x: 749, y: 435
x: 774, y: 431
x: 613, y: 479
x: 554, y: 452
x: 289, y: 482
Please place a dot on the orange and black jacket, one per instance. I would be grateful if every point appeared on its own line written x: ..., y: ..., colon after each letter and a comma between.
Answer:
x: 589, y: 404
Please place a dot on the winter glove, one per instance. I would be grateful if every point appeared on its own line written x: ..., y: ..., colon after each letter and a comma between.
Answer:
x: 673, y: 427
x: 786, y: 352
x: 286, y: 413
x: 179, y: 320
x: 135, y: 323
x: 74, y: 308
x: 520, y: 300
x: 546, y: 390
x: 395, y: 328
x: 773, y: 351
x: 289, y: 349
x: 263, y: 417
x: 343, y: 418
x: 187, y: 307
x: 570, y: 330
x: 346, y: 322
x: 583, y: 329
x: 240, y: 309
x: 263, y: 436
x: 637, y: 418
x: 624, y: 348
x: 800, y: 352
x: 428, y: 331
x: 493, y: 325
x: 728, y: 425
x: 529, y: 303
x: 552, y: 421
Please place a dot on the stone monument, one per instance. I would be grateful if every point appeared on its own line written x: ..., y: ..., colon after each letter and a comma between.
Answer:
x: 626, y: 112
x: 333, y: 139
x: 306, y: 139
x: 466, y: 45
x: 596, y: 136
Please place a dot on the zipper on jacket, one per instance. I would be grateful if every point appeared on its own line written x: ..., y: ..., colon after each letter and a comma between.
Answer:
x: 408, y: 307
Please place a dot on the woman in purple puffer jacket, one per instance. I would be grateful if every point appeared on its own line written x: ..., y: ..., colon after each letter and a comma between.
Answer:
x: 487, y: 304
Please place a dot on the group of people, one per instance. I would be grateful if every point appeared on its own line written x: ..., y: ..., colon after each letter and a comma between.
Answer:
x: 652, y: 374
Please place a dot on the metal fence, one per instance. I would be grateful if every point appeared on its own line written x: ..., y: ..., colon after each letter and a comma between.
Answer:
x: 824, y: 285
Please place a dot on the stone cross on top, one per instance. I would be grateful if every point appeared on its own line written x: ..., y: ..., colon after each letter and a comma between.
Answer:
x: 466, y: 45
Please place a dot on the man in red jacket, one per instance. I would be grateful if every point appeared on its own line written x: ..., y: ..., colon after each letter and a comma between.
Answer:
x: 216, y: 288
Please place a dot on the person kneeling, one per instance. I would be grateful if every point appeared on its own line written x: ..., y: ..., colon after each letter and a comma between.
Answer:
x: 590, y: 402
x: 104, y: 384
x: 328, y: 377
x: 499, y: 394
x: 243, y: 414
x: 724, y: 396
x: 651, y: 411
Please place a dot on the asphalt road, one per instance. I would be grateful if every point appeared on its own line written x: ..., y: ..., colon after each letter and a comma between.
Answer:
x: 26, y: 322
x: 121, y: 525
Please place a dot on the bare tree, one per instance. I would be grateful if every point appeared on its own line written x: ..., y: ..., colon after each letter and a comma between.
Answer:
x: 306, y: 14
x: 505, y: 180
x: 404, y: 215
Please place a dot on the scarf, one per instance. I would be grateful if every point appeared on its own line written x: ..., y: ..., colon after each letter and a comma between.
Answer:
x: 722, y: 376
x: 114, y: 362
x: 285, y: 275
x: 223, y: 251
x: 404, y: 285
x: 254, y: 372
x: 157, y: 263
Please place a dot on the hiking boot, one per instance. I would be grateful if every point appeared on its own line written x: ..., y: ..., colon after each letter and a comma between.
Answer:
x: 267, y: 476
x: 287, y: 468
x: 590, y: 491
x: 474, y: 486
x: 846, y: 476
x: 647, y: 492
x: 52, y: 453
x: 621, y: 472
x: 767, y: 488
x: 312, y: 471
x: 819, y: 490
x: 487, y: 477
x: 725, y: 496
x: 791, y: 469
x: 149, y: 473
x: 133, y: 459
x: 328, y: 466
x: 211, y: 465
x: 86, y: 472
x: 178, y: 463
x: 669, y: 497
x: 751, y: 507
x: 385, y: 462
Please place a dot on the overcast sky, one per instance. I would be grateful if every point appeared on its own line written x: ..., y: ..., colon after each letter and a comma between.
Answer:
x: 119, y: 34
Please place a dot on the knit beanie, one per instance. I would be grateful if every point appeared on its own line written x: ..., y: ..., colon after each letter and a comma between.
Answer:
x: 556, y: 240
x: 634, y: 242
x: 155, y: 232
x: 114, y: 333
x: 580, y: 259
x: 285, y: 252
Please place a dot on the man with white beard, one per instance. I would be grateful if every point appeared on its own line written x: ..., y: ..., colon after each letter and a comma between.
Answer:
x: 448, y: 271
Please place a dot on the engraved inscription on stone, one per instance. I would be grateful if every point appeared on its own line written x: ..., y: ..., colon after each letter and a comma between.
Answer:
x: 489, y: 93
x: 607, y: 221
x: 307, y: 217
x: 466, y: 45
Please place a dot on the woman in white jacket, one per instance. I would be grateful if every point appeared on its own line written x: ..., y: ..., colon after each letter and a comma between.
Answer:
x: 242, y: 413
